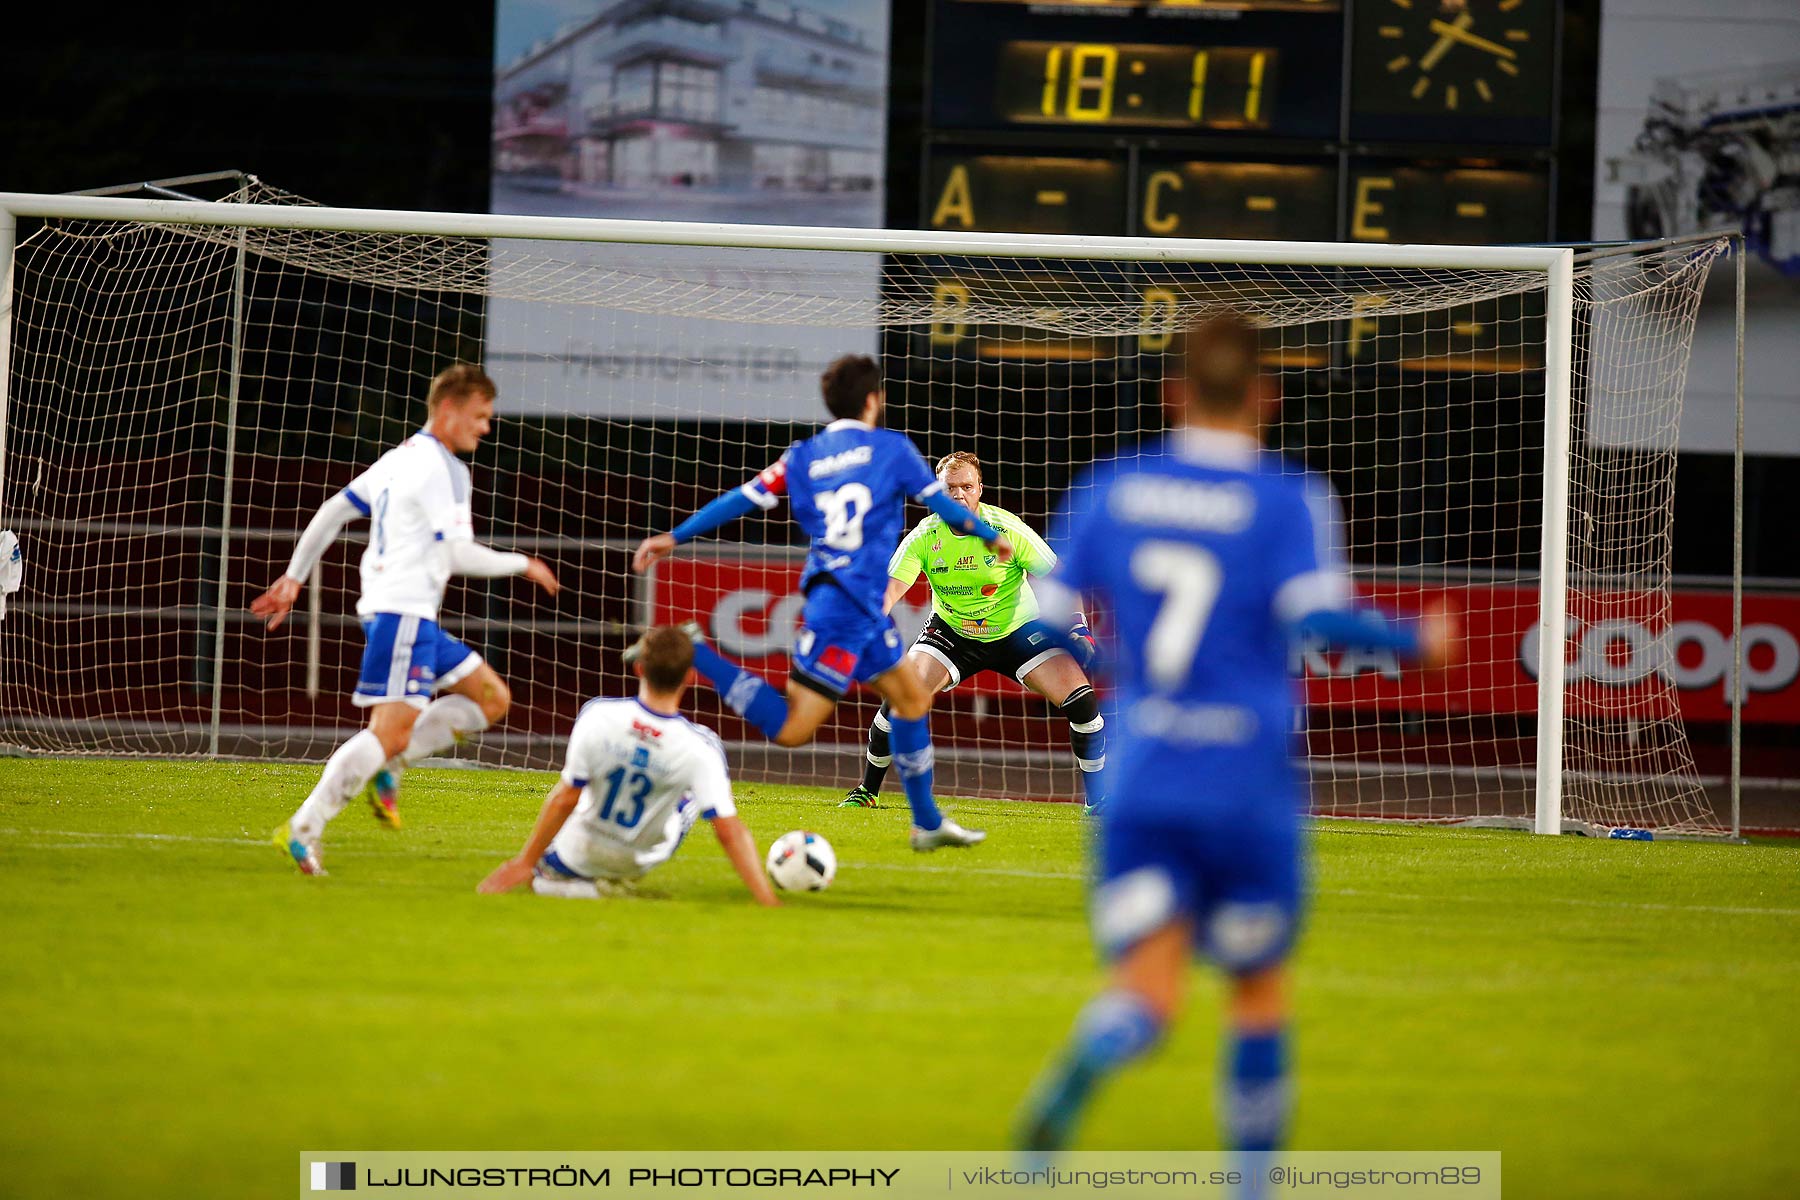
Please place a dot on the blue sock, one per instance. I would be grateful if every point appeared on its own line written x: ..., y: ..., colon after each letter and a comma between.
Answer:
x: 745, y: 693
x: 1114, y: 1029
x: 1256, y: 1091
x: 911, y: 741
x: 1093, y: 787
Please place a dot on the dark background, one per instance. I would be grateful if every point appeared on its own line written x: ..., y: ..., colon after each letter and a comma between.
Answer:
x: 386, y: 105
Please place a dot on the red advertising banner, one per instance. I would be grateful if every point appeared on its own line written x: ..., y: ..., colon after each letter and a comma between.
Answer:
x: 1620, y: 660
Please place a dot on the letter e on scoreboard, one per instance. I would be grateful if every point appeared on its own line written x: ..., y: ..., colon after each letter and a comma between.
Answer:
x: 1368, y: 208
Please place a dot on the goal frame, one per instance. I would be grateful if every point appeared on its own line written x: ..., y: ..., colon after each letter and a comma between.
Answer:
x: 1556, y: 264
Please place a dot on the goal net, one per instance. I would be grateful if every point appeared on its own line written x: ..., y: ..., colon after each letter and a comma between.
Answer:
x: 180, y: 397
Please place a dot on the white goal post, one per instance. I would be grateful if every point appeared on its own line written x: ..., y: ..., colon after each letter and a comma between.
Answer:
x: 1330, y: 288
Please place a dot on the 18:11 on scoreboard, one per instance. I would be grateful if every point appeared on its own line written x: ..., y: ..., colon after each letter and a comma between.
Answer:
x: 1101, y: 84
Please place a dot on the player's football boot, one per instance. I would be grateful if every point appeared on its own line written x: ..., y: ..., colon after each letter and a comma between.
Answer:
x: 1050, y: 1112
x: 304, y: 856
x: 635, y: 651
x: 383, y: 795
x: 947, y: 834
x: 1096, y: 808
x: 860, y: 797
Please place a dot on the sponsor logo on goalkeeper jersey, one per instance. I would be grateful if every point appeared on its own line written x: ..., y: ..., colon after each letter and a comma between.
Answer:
x: 831, y: 464
x: 966, y: 563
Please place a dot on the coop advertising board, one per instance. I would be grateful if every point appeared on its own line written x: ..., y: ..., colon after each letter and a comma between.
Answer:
x: 1617, y: 661
x: 763, y: 112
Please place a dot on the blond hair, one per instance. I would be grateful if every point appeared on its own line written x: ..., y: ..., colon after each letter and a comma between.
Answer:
x: 459, y: 380
x: 959, y: 458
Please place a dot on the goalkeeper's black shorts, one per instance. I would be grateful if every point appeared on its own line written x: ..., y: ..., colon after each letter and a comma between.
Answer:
x: 1018, y: 654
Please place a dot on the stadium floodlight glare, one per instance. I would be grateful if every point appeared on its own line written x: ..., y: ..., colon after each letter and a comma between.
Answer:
x: 182, y: 382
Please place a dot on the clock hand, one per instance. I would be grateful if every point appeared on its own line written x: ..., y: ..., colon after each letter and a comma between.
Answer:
x: 1447, y: 36
x: 1459, y: 32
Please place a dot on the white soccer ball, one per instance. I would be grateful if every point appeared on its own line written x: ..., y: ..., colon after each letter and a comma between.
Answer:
x: 802, y: 862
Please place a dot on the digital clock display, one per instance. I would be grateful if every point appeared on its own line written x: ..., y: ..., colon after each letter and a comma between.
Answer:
x: 1109, y: 83
x: 1238, y: 71
x: 1187, y: 7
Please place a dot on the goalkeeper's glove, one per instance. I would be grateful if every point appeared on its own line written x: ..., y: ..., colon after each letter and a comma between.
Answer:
x: 1082, y: 645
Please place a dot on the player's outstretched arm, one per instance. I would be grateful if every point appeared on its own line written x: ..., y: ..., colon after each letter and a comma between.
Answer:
x: 763, y: 492
x: 1433, y: 640
x: 557, y: 806
x: 1440, y: 635
x: 963, y: 521
x: 652, y: 550
x: 482, y: 562
x: 274, y: 605
x: 740, y: 848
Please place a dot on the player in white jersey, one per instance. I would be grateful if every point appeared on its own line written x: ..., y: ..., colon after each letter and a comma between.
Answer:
x: 637, y: 777
x: 424, y: 689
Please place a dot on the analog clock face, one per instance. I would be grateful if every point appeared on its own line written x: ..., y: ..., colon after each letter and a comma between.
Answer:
x: 1459, y: 60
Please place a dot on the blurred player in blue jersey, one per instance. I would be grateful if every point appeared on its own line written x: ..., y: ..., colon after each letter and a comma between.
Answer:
x: 1212, y: 558
x: 847, y: 486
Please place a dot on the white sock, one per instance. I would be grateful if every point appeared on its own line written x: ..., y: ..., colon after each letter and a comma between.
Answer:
x: 346, y: 773
x: 437, y: 727
x: 566, y: 889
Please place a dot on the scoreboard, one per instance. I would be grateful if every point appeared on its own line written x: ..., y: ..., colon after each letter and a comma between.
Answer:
x: 1369, y: 120
x: 1425, y: 121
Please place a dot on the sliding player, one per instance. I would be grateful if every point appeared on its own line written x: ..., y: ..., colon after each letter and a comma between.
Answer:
x: 1212, y: 558
x: 848, y: 486
x: 981, y: 618
x: 418, y: 496
x: 637, y: 777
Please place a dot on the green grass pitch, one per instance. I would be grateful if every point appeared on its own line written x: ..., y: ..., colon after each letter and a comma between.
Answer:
x: 183, y: 1013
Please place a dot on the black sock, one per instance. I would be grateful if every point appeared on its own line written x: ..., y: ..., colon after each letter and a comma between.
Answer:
x: 881, y: 752
x: 1087, y: 738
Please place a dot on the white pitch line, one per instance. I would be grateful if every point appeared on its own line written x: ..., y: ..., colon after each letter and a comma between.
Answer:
x: 1005, y: 872
x: 1012, y: 872
x: 1360, y: 893
x: 111, y: 835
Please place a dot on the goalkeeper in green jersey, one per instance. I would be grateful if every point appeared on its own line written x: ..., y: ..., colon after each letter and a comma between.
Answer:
x: 981, y: 608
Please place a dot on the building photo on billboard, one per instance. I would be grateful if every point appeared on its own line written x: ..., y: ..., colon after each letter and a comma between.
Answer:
x: 771, y: 112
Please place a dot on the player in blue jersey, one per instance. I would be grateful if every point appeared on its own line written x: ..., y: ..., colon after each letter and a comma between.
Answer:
x: 1211, y: 557
x: 847, y: 486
